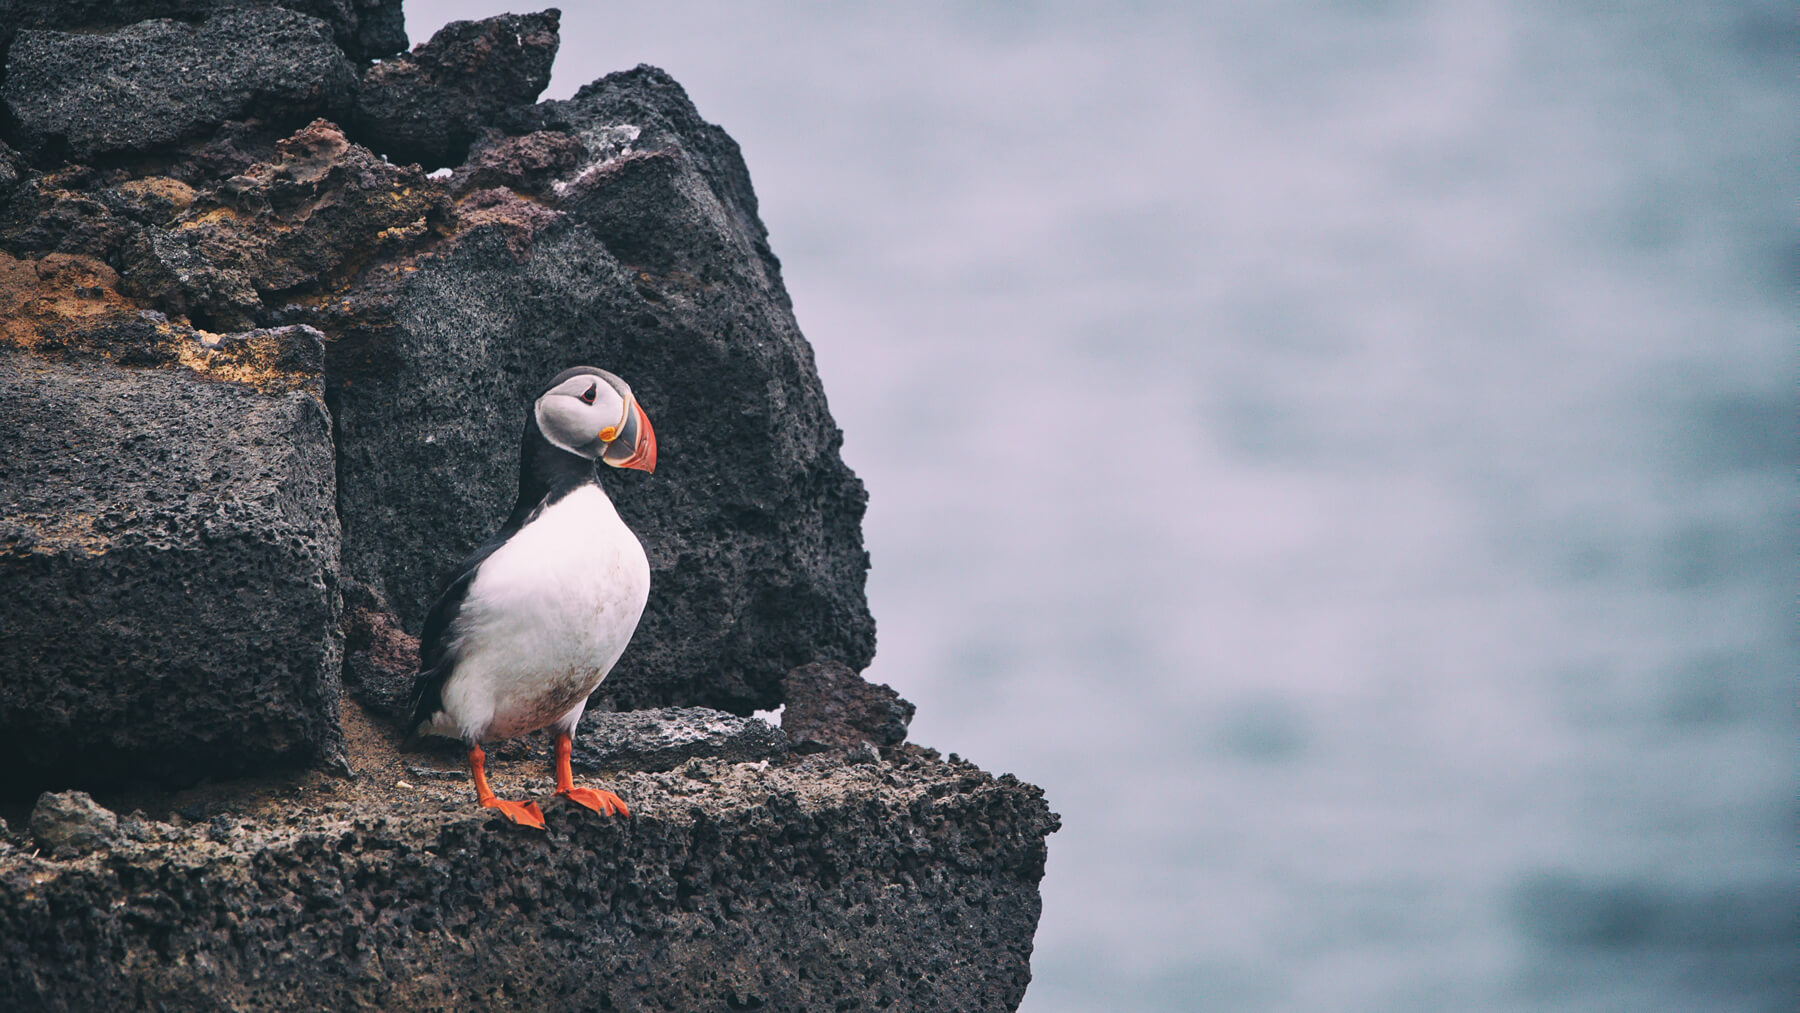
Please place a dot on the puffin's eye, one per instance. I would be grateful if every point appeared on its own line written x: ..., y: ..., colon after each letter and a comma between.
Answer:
x: 588, y: 396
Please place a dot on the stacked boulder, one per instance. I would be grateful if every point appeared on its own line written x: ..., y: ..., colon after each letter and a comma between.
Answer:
x: 182, y: 210
x: 263, y: 369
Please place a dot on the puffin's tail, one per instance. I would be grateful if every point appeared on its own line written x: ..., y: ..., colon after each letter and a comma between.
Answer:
x: 428, y: 706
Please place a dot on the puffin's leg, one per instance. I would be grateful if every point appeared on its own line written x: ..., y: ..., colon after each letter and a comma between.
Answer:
x: 522, y: 813
x: 603, y: 802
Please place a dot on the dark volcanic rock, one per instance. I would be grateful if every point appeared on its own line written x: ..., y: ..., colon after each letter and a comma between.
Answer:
x: 529, y: 163
x: 70, y: 823
x: 159, y: 82
x: 907, y: 886
x: 646, y: 110
x: 72, y: 305
x: 520, y: 220
x: 752, y: 521
x: 665, y: 738
x: 828, y: 705
x: 60, y: 302
x: 362, y: 28
x: 654, y: 211
x: 431, y: 104
x: 61, y: 212
x: 185, y: 283
x: 380, y: 659
x: 168, y: 560
x: 13, y: 169
x: 273, y: 359
x: 281, y: 228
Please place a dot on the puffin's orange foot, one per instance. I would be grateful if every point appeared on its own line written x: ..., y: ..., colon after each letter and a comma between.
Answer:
x: 603, y: 802
x: 526, y: 814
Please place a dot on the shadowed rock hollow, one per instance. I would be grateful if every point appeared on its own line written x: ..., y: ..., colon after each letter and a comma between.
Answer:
x: 262, y: 381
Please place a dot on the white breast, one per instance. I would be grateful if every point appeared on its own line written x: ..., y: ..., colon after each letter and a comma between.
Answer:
x: 545, y: 619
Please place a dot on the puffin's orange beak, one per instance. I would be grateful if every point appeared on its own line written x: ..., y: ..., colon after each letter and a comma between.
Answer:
x: 637, y: 444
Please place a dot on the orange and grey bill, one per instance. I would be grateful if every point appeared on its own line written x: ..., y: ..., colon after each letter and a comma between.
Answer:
x: 643, y: 451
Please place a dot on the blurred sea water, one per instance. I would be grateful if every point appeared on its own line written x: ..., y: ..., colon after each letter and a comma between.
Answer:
x: 1343, y: 452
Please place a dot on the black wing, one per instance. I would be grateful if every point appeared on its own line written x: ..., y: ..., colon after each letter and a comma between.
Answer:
x: 436, y: 660
x: 545, y: 475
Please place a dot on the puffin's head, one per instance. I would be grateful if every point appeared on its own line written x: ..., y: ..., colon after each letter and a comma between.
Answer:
x: 591, y: 412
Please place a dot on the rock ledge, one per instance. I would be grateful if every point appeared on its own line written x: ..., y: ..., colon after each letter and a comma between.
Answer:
x: 909, y: 883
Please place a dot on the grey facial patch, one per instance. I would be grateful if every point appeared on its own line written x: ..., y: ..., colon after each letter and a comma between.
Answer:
x: 568, y: 421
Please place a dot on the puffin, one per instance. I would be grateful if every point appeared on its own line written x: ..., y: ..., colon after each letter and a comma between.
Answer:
x: 534, y: 619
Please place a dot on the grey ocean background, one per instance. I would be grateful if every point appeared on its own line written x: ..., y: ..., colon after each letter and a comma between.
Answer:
x: 1344, y: 453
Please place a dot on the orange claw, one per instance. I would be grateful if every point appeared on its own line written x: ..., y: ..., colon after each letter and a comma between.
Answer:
x: 603, y: 802
x: 526, y: 814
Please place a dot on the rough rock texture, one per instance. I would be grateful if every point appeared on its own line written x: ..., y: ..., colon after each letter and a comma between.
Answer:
x: 281, y: 230
x: 194, y: 551
x: 64, y: 301
x: 68, y: 211
x: 431, y: 104
x: 667, y: 737
x: 362, y: 28
x: 531, y: 163
x: 168, y: 560
x: 909, y: 884
x: 72, y: 304
x: 380, y: 658
x: 158, y: 82
x: 830, y: 706
x: 70, y: 823
x: 650, y: 263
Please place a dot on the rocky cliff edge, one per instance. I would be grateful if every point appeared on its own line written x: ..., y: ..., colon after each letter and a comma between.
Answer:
x: 274, y: 291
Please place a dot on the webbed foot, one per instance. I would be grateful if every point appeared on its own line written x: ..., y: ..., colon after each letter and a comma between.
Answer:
x: 603, y: 802
x: 526, y: 814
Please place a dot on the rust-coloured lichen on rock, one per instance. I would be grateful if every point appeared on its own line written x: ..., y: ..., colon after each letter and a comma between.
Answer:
x: 48, y: 534
x: 158, y: 194
x: 307, y: 221
x: 274, y: 360
x: 519, y: 217
x: 71, y: 304
x: 60, y: 301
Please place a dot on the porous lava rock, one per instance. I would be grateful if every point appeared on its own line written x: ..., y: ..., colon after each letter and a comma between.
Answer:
x: 66, y: 301
x: 429, y: 105
x: 528, y: 163
x: 69, y: 823
x: 519, y: 219
x: 151, y: 84
x: 282, y: 229
x: 59, y: 212
x: 827, y: 705
x: 380, y: 659
x: 364, y: 29
x: 654, y: 266
x: 663, y: 738
x: 906, y: 884
x: 262, y: 382
x: 168, y: 560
